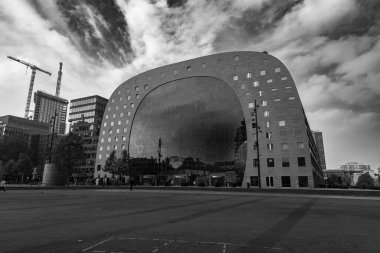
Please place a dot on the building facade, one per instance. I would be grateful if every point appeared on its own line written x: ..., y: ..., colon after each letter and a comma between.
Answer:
x: 17, y: 126
x: 47, y: 106
x: 318, y: 138
x: 85, y: 119
x: 355, y: 166
x: 205, y: 111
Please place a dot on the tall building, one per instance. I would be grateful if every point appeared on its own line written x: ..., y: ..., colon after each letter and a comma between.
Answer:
x: 17, y: 126
x: 46, y: 105
x: 85, y: 119
x: 355, y: 166
x: 318, y: 138
x: 197, y: 108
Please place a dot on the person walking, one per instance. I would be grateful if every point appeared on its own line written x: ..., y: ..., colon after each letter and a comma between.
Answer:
x: 2, y: 185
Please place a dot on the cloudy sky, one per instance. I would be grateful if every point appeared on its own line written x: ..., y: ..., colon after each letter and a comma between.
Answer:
x: 332, y: 49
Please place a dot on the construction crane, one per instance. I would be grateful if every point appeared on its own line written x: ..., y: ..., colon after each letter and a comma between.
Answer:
x: 58, y: 88
x: 34, y: 69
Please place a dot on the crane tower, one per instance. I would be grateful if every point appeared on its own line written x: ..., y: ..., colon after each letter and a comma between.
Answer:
x: 34, y: 70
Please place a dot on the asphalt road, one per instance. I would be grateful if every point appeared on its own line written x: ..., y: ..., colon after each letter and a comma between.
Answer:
x: 158, y: 221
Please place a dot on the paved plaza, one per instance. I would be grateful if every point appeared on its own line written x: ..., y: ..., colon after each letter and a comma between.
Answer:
x: 193, y: 221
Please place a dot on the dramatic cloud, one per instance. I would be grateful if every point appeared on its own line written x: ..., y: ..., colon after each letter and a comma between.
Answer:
x: 332, y: 49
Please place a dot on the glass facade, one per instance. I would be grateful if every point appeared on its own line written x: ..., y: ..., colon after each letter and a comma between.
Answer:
x: 199, y: 121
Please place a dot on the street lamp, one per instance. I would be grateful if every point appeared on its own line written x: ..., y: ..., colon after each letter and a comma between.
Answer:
x: 52, y: 135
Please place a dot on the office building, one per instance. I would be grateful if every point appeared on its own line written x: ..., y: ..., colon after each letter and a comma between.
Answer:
x: 205, y: 111
x: 318, y: 138
x: 47, y: 106
x: 85, y: 119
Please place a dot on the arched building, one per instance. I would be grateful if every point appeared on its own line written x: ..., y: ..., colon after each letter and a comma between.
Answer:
x: 203, y: 113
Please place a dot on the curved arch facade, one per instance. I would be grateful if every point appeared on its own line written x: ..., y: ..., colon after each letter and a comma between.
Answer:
x: 288, y: 155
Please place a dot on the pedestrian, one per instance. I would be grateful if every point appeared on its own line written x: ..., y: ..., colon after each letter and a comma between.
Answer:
x: 2, y: 185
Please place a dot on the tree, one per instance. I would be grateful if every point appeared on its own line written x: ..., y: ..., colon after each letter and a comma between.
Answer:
x: 118, y: 165
x: 365, y: 181
x: 68, y: 153
x: 12, y: 146
x: 23, y: 166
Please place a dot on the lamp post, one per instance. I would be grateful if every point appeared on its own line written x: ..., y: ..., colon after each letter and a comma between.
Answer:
x: 52, y: 135
x: 257, y: 144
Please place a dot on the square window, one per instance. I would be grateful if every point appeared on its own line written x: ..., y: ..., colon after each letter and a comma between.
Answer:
x: 288, y: 87
x: 291, y: 98
x: 127, y: 121
x: 162, y: 74
x: 268, y: 123
x: 285, y: 180
x: 255, y: 84
x: 108, y: 148
x: 255, y: 163
x: 127, y: 90
x: 264, y: 103
x: 110, y: 131
x: 98, y: 168
x: 100, y: 157
x: 270, y: 146
x: 300, y: 145
x: 136, y: 88
x: 262, y: 72
x: 281, y: 123
x: 301, y: 161
x: 112, y: 100
x: 114, y: 115
x: 266, y: 113
x: 107, y: 116
x: 129, y: 113
x: 123, y: 147
x: 132, y: 105
x: 260, y: 93
x: 125, y: 106
x: 121, y: 114
x: 104, y: 124
x: 303, y: 181
x: 115, y: 147
x: 119, y: 123
x: 274, y: 90
x: 109, y: 139
x: 268, y: 135
x: 254, y: 181
x: 124, y: 138
x: 284, y: 78
x: 188, y: 68
x: 249, y: 75
x: 112, y: 123
x: 285, y: 162
x: 277, y: 100
x: 277, y: 69
x: 270, y: 162
x: 235, y: 78
x: 116, y: 138
x: 137, y: 96
x: 125, y: 129
x: 175, y: 72
x: 284, y: 145
x: 100, y: 148
x: 118, y: 130
x: 269, y: 80
x: 251, y: 105
x: 101, y: 140
x: 236, y: 58
x: 146, y: 86
x: 203, y: 65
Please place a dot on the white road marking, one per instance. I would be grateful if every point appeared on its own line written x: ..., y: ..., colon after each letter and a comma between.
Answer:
x: 93, y: 246
x: 224, y: 248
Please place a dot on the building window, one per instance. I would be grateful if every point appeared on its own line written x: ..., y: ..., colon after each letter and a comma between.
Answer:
x: 136, y: 88
x: 273, y: 89
x: 115, y: 147
x: 125, y: 106
x: 146, y: 86
x: 268, y: 123
x: 255, y: 84
x: 132, y: 105
x: 98, y: 168
x: 203, y: 65
x: 285, y: 162
x: 114, y: 115
x: 260, y: 93
x: 251, y: 105
x: 162, y: 74
x: 303, y: 181
x: 137, y: 96
x: 266, y: 113
x: 175, y: 72
x: 242, y: 86
x: 129, y: 97
x: 124, y: 138
x: 127, y: 90
x: 288, y: 87
x: 101, y: 140
x: 268, y: 135
x: 117, y: 130
x: 236, y: 58
x: 219, y: 61
x: 269, y: 181
x: 109, y: 139
x: 301, y: 161
x: 100, y: 157
x: 120, y: 99
x: 127, y: 121
x: 104, y: 132
x: 269, y: 80
x: 235, y: 78
x: 125, y: 129
x: 108, y: 148
x: 264, y: 103
x: 291, y: 98
x: 236, y: 67
x: 107, y: 116
x: 284, y: 78
x: 262, y: 72
x: 121, y: 114
x: 300, y: 145
x: 188, y: 68
x: 270, y: 146
x: 105, y: 124
x: 284, y: 145
x: 112, y: 100
x: 112, y: 123
x: 277, y: 100
x: 270, y: 162
x: 281, y: 123
x: 101, y: 148
x: 129, y: 113
x: 277, y: 70
x: 123, y: 147
x: 110, y: 131
x: 255, y: 163
x: 285, y: 180
x: 254, y: 181
x: 109, y: 109
x: 119, y: 123
x: 249, y: 75
x: 116, y: 138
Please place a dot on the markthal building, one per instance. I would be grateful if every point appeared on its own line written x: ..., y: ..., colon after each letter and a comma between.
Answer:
x: 230, y: 119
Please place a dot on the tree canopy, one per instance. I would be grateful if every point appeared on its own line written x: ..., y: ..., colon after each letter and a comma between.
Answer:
x: 365, y: 181
x: 119, y: 165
